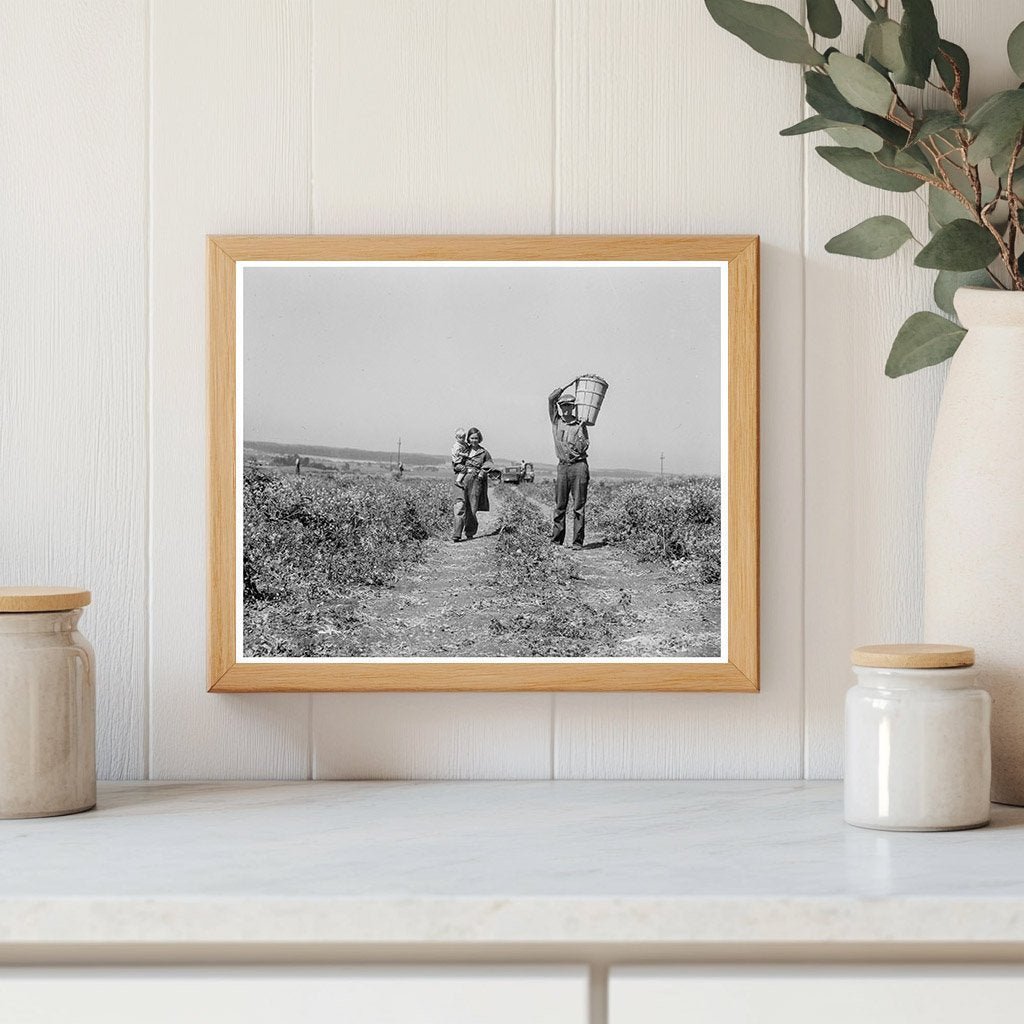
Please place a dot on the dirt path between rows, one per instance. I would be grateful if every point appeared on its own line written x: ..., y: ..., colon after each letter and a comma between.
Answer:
x: 665, y: 618
x: 448, y: 604
x: 441, y: 606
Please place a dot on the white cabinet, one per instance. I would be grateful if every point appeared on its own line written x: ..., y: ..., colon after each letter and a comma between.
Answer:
x: 280, y: 995
x: 813, y: 994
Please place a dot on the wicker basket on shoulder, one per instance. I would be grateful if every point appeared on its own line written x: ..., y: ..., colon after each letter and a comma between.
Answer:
x: 590, y: 392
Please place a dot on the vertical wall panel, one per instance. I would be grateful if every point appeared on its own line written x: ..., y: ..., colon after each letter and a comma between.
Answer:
x: 667, y: 124
x: 429, y: 116
x: 230, y: 151
x: 73, y: 332
x: 868, y: 437
x: 432, y: 117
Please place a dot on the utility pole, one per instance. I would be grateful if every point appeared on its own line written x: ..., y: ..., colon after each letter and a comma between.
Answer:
x: 662, y: 465
x: 399, y: 451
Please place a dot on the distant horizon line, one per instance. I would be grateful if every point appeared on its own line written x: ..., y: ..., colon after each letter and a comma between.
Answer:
x: 378, y: 454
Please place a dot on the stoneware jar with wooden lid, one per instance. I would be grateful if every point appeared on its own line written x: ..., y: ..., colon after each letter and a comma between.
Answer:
x: 47, y: 704
x: 918, y: 747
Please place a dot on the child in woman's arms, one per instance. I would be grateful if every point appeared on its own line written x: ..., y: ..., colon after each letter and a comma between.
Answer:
x: 460, y: 452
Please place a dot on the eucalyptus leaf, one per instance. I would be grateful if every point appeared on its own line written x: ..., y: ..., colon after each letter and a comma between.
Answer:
x: 947, y: 282
x: 864, y: 7
x: 960, y: 245
x: 1001, y: 164
x: 825, y: 98
x: 912, y: 158
x: 892, y: 133
x: 824, y: 18
x: 864, y: 167
x: 1015, y: 50
x: 919, y: 41
x: 872, y: 239
x: 856, y: 136
x: 944, y: 208
x: 934, y: 122
x: 996, y: 125
x: 949, y: 56
x: 925, y: 339
x: 861, y: 86
x: 1000, y: 160
x: 817, y: 123
x: 962, y: 183
x: 870, y: 136
x: 882, y: 44
x: 766, y: 29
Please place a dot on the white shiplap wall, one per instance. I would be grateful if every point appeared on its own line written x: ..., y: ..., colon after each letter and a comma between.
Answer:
x: 133, y: 129
x: 645, y: 146
x: 403, y: 145
x: 73, y: 331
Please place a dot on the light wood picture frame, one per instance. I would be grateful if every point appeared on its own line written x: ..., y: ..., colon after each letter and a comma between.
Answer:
x: 736, y: 670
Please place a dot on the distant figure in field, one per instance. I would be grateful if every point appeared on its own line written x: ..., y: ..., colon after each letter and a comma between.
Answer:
x: 298, y: 464
x: 471, y: 494
x: 571, y: 445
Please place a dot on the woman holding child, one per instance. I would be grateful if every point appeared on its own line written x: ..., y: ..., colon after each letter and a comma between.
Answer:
x: 471, y: 462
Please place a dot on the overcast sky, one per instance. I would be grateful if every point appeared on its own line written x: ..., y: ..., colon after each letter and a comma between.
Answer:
x: 358, y: 356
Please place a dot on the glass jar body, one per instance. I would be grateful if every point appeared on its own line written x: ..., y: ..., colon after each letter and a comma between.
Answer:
x: 918, y: 750
x: 47, y: 715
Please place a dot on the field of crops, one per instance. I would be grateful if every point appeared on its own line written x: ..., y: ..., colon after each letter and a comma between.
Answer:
x: 678, y: 521
x: 543, y: 612
x: 340, y: 564
x: 313, y: 542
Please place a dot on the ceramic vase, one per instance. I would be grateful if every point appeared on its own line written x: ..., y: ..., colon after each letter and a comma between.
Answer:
x: 974, y: 517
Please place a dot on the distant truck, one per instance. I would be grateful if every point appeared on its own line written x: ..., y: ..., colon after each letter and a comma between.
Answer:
x: 521, y: 474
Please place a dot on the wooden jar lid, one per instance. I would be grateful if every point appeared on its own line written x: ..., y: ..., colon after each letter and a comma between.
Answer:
x: 913, y: 656
x: 42, y: 599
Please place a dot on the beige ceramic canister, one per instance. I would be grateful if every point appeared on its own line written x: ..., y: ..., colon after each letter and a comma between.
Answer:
x: 918, y: 747
x: 47, y: 704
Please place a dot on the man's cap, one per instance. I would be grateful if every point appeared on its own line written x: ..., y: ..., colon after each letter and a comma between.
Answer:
x: 567, y: 397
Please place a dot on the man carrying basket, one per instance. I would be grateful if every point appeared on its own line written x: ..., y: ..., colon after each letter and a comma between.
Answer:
x: 571, y: 445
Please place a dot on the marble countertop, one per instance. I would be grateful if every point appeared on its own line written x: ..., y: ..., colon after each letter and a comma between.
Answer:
x: 500, y: 862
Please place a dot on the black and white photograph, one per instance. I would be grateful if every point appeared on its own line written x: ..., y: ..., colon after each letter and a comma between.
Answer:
x: 481, y: 460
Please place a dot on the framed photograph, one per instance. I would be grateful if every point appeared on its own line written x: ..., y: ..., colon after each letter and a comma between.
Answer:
x: 483, y: 463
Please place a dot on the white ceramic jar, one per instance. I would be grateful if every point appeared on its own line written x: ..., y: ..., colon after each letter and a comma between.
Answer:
x: 47, y: 704
x: 918, y: 747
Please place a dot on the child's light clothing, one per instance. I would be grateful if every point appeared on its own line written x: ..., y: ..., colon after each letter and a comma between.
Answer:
x: 460, y: 452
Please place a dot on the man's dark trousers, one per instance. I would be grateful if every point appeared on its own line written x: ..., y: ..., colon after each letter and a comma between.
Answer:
x: 572, y: 480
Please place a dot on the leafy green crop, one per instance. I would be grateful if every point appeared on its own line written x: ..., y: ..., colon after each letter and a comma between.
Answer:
x: 310, y: 544
x: 679, y: 522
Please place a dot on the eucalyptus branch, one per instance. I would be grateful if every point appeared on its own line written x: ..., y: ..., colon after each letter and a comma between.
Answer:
x: 971, y: 171
x: 950, y: 153
x: 863, y: 89
x: 923, y: 178
x: 995, y: 280
x: 901, y: 104
x: 947, y: 186
x: 1013, y: 203
x: 956, y: 92
x: 1004, y: 252
x: 928, y: 146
